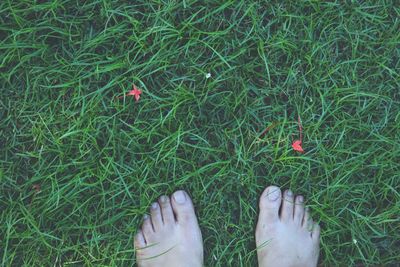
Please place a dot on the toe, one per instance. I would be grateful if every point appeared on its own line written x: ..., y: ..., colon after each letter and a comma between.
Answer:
x: 147, y: 228
x: 166, y: 210
x: 299, y: 210
x: 139, y: 240
x: 270, y: 202
x: 183, y: 207
x: 316, y: 233
x: 287, y: 206
x: 156, y: 217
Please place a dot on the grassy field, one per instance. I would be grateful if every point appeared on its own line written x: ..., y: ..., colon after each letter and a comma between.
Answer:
x: 80, y: 166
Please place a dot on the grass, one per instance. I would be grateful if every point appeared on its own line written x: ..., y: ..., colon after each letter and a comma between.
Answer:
x: 100, y: 161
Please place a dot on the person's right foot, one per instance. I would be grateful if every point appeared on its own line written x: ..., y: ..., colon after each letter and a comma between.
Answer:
x: 285, y: 233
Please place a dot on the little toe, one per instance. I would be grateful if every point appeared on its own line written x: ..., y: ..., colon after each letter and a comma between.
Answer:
x: 299, y: 210
x: 270, y: 202
x: 287, y: 206
x: 147, y: 228
x: 309, y: 225
x: 183, y: 207
x: 156, y: 217
x: 316, y: 233
x: 166, y: 210
x: 139, y: 240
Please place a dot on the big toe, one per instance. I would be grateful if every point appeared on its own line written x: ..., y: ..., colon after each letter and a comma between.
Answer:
x: 270, y: 202
x: 183, y: 208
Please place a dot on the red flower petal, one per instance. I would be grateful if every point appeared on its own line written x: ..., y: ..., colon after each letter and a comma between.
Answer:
x: 134, y: 92
x: 297, y: 146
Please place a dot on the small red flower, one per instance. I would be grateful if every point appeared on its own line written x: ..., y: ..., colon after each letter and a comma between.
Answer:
x: 135, y: 92
x: 297, y: 143
x: 297, y: 146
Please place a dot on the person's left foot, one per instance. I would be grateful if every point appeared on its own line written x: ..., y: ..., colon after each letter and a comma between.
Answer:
x: 170, y: 236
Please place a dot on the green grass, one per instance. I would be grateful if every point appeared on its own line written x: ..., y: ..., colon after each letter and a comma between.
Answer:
x: 100, y: 161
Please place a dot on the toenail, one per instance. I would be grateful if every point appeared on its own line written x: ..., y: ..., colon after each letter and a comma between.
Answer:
x: 180, y: 197
x: 300, y: 198
x: 163, y: 199
x: 145, y: 217
x: 289, y: 193
x: 154, y: 206
x: 273, y: 194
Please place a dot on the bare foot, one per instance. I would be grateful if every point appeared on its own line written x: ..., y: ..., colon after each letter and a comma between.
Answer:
x: 170, y: 236
x: 288, y: 237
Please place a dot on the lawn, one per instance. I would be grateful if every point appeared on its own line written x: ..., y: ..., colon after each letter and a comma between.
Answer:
x: 80, y: 163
